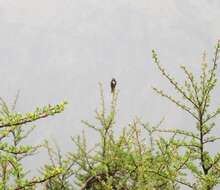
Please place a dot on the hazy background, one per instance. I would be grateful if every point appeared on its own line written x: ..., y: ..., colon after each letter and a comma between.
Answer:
x: 54, y: 50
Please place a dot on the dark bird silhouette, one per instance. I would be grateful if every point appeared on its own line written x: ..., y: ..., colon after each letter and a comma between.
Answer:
x: 113, y: 85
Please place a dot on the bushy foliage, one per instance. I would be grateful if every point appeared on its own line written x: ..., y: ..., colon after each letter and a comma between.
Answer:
x: 14, y: 128
x: 137, y: 158
x: 125, y: 161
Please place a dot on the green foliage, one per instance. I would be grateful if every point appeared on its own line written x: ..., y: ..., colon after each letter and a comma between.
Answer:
x: 128, y: 161
x: 196, y: 95
x: 13, y: 130
x: 137, y: 158
x: 125, y: 161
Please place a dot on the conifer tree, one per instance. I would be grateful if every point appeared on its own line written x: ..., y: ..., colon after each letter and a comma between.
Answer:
x: 197, y: 95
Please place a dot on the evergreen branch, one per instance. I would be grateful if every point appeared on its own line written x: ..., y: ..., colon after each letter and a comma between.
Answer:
x: 195, y: 88
x: 211, y: 116
x: 35, y: 182
x: 30, y: 117
x: 180, y: 105
x: 213, y: 70
x: 171, y: 179
x: 171, y: 80
x: 177, y: 131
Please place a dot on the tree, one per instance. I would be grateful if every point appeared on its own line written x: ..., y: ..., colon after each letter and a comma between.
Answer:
x: 127, y: 161
x: 197, y: 98
x: 124, y: 161
x: 14, y: 128
x: 139, y: 158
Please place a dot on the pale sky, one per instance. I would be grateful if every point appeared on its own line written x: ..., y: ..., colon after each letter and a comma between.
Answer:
x: 54, y: 50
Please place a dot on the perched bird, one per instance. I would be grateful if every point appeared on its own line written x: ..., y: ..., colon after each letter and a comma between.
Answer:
x: 113, y: 84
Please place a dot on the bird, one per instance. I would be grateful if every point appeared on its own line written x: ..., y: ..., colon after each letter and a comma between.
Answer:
x: 113, y: 85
